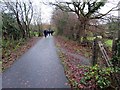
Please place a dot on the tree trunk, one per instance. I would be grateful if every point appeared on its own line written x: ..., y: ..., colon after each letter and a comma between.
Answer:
x: 28, y: 29
x: 20, y: 26
x: 114, y: 45
x: 40, y: 28
x: 119, y: 34
x: 95, y: 52
x: 39, y: 33
x: 78, y: 36
x: 82, y: 27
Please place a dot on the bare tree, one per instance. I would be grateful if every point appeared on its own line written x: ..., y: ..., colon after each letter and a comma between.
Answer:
x: 38, y: 19
x: 39, y: 22
x: 60, y: 19
x: 84, y: 10
x: 23, y: 13
x: 26, y: 15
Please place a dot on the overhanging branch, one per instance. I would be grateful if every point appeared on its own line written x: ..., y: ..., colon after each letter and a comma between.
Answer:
x: 102, y: 15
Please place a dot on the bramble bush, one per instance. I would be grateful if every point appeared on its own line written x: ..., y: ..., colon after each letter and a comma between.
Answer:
x: 101, y: 77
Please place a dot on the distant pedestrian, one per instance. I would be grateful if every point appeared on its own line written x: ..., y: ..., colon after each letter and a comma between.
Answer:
x: 52, y: 32
x: 45, y: 33
x: 49, y: 32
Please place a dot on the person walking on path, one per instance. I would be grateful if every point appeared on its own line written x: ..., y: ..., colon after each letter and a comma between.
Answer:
x: 45, y: 33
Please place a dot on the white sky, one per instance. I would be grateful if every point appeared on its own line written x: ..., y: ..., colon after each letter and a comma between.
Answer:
x: 47, y: 10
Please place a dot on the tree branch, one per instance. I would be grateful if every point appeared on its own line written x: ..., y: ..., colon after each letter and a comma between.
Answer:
x: 101, y: 15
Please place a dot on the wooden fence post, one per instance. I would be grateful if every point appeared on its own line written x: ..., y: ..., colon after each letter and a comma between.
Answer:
x: 95, y: 51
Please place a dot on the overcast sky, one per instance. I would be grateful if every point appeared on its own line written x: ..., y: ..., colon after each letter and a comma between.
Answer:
x: 47, y: 9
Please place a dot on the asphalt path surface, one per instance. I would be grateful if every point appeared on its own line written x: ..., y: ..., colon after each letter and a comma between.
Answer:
x: 40, y: 67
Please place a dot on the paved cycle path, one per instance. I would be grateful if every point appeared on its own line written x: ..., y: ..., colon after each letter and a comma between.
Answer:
x: 40, y: 67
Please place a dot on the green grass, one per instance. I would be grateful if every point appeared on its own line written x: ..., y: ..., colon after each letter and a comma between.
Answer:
x: 109, y: 42
x: 90, y: 38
